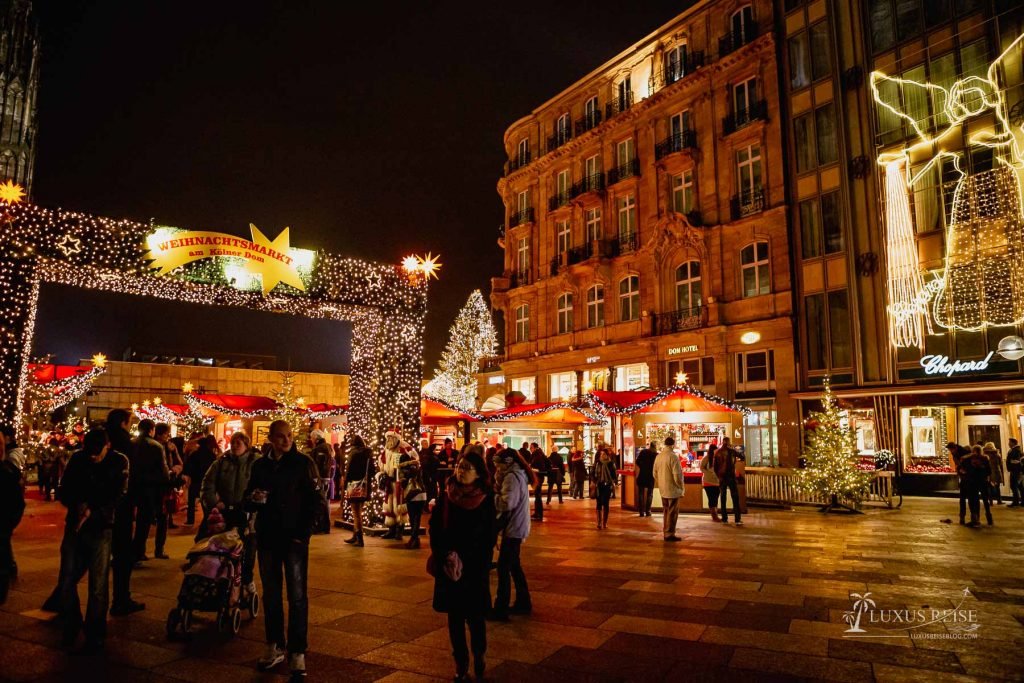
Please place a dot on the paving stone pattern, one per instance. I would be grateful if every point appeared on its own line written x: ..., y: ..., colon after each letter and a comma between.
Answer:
x: 762, y: 602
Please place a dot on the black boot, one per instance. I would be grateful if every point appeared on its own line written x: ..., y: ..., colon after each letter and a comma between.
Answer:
x: 390, y: 533
x: 398, y: 533
x: 359, y: 540
x: 414, y: 543
x: 355, y: 537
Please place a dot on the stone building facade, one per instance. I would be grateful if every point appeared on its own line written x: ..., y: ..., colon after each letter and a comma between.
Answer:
x: 646, y: 227
x: 19, y: 82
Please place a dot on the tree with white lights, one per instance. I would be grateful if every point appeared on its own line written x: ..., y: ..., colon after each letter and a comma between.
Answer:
x: 831, y: 454
x: 471, y: 338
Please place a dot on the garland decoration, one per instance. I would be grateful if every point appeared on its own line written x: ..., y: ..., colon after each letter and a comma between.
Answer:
x: 605, y: 408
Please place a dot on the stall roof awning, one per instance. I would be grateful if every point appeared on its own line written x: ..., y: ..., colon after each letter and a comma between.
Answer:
x: 44, y: 373
x: 328, y: 408
x: 551, y: 413
x: 229, y: 403
x: 674, y: 400
x: 434, y: 411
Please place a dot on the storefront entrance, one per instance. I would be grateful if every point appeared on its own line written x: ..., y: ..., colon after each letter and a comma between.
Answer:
x: 984, y: 424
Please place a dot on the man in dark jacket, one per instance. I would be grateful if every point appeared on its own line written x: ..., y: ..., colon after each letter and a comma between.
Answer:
x: 121, y: 540
x: 194, y: 470
x: 149, y: 481
x: 94, y: 483
x: 429, y: 465
x: 1014, y: 468
x: 283, y: 492
x: 12, y: 506
x: 645, y: 479
x: 557, y: 474
x: 541, y: 467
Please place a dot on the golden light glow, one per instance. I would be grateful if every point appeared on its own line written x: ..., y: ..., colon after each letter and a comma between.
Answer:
x: 146, y: 403
x: 135, y: 406
x: 429, y: 265
x: 750, y: 337
x: 157, y: 401
x: 187, y: 388
x: 99, y: 360
x: 981, y: 284
x: 410, y: 264
x: 11, y: 192
x: 682, y: 378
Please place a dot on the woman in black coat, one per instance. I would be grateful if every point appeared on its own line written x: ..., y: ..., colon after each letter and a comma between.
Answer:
x: 461, y: 539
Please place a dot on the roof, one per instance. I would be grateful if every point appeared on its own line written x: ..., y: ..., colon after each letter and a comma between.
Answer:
x: 681, y: 399
x: 552, y: 413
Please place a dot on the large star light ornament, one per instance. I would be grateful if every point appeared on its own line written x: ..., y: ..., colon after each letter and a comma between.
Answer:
x: 274, y: 271
x: 11, y: 192
x: 69, y: 245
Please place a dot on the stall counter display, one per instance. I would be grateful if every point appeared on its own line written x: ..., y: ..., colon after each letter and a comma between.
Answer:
x: 693, y: 499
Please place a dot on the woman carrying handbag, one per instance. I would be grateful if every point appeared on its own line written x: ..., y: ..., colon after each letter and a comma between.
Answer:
x: 358, y: 476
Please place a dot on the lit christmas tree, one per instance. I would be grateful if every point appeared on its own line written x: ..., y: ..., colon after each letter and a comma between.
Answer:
x: 831, y: 454
x: 288, y: 407
x: 471, y: 338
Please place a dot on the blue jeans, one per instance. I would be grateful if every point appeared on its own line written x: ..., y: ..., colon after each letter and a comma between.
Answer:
x: 87, y: 550
x: 285, y: 562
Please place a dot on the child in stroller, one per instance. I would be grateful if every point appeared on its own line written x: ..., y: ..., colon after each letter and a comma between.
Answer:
x: 213, y: 581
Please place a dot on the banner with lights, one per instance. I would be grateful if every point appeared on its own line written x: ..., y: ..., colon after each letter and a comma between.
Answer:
x: 257, y: 263
x: 386, y: 303
x: 981, y: 282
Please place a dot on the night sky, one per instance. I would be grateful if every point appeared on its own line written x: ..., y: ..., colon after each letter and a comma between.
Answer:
x: 371, y: 129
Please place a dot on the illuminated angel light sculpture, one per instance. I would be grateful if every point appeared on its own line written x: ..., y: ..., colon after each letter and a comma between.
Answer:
x: 981, y: 284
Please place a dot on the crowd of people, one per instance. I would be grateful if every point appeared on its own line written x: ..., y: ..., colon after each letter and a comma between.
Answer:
x: 981, y: 474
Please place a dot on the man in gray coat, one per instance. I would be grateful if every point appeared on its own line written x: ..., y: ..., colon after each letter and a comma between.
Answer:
x: 512, y: 502
x: 668, y: 476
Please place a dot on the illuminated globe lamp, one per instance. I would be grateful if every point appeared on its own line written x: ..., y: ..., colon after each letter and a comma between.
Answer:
x: 1011, y: 347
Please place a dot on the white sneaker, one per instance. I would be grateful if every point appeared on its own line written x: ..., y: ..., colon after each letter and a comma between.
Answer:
x: 273, y: 657
x: 297, y: 664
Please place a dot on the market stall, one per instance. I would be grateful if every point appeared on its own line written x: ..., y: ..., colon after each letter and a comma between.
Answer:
x: 553, y: 426
x: 694, y: 419
x: 440, y: 420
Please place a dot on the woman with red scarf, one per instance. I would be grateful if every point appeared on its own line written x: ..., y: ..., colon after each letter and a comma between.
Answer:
x: 461, y: 539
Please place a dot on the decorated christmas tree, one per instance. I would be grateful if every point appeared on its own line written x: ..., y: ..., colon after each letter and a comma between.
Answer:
x: 471, y: 338
x: 830, y: 450
x: 288, y: 406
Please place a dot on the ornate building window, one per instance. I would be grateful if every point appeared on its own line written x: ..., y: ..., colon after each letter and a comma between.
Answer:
x: 754, y: 263
x: 565, y: 313
x: 595, y: 306
x: 688, y: 286
x: 522, y: 323
x: 629, y: 298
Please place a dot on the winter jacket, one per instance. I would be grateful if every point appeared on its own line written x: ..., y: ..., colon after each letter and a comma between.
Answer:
x: 16, y: 456
x: 668, y: 473
x: 707, y: 469
x: 148, y: 478
x: 557, y: 465
x: 12, y: 497
x: 410, y: 475
x: 604, y: 473
x: 996, y: 460
x: 1014, y: 460
x: 469, y: 533
x: 513, y: 502
x: 196, y: 465
x: 292, y: 497
x: 540, y: 464
x: 977, y: 470
x: 725, y: 464
x: 227, y: 479
x: 645, y: 468
x: 360, y: 466
x: 322, y: 455
x: 100, y: 486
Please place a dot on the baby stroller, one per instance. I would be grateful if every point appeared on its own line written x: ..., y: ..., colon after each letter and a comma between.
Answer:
x: 213, y: 583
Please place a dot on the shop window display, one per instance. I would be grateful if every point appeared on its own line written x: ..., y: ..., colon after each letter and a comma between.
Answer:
x: 925, y: 434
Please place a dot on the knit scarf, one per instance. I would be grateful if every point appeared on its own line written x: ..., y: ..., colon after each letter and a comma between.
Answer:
x: 467, y: 497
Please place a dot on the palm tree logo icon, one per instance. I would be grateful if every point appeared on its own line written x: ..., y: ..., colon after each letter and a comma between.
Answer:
x: 861, y: 604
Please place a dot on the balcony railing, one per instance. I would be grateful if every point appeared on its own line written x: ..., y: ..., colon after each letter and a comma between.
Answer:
x: 741, y: 117
x: 590, y: 120
x: 569, y: 258
x: 678, y: 321
x: 489, y: 363
x: 618, y: 105
x: 517, y: 162
x: 627, y: 243
x: 559, y: 138
x: 621, y: 172
x: 676, y: 142
x: 520, y: 217
x: 558, y: 200
x: 748, y: 202
x: 591, y: 183
x: 734, y: 40
x: 519, y: 278
x: 670, y: 73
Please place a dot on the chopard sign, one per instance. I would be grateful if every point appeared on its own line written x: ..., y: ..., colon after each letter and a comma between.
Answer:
x: 941, y: 365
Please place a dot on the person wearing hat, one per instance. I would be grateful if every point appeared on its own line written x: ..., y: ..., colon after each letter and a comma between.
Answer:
x: 512, y: 504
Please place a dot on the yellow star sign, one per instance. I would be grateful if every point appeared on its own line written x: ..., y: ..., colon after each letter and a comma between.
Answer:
x: 11, y: 192
x: 99, y: 361
x: 274, y: 261
x: 187, y: 388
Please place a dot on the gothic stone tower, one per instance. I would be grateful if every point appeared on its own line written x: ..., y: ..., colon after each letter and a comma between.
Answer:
x: 19, y: 80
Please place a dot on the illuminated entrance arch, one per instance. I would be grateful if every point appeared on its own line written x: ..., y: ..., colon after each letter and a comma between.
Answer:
x: 386, y: 304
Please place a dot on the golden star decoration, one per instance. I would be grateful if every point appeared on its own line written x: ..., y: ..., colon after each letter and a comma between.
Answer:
x: 69, y: 245
x: 429, y: 266
x: 157, y: 401
x: 681, y: 378
x: 187, y: 388
x: 145, y: 404
x: 273, y: 270
x: 99, y: 361
x: 11, y: 192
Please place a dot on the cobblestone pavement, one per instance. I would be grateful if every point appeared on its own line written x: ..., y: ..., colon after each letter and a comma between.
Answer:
x: 765, y: 601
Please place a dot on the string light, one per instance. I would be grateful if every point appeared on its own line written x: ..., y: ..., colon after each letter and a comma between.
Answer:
x: 386, y: 307
x: 606, y: 408
x: 476, y: 415
x: 982, y: 280
x: 542, y: 408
